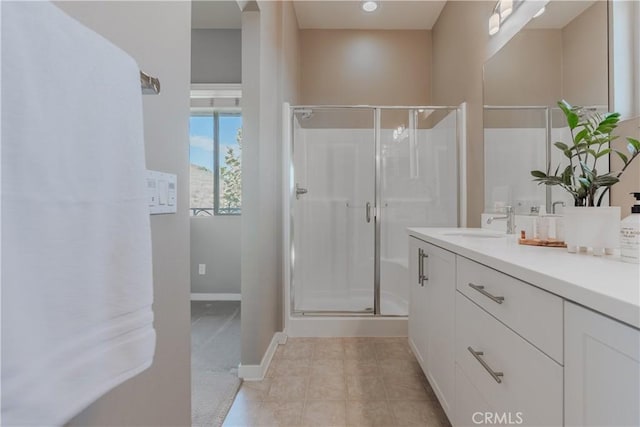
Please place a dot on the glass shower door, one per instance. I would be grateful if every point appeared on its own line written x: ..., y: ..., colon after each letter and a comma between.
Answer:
x: 418, y: 187
x: 333, y: 211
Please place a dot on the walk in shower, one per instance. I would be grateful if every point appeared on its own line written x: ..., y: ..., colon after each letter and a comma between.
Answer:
x: 359, y: 176
x: 526, y: 134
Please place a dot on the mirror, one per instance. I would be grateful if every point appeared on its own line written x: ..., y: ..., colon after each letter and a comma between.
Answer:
x: 562, y: 54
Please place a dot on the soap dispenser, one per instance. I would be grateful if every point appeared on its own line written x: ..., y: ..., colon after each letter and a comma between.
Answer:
x: 630, y: 234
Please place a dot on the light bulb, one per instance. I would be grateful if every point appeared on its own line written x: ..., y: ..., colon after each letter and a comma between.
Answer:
x: 494, y: 24
x: 540, y: 12
x: 506, y: 7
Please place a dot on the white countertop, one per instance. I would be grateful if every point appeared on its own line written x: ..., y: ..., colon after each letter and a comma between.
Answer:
x: 604, y: 284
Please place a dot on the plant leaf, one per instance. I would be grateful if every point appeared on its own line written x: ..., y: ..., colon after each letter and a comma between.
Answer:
x: 584, y: 182
x: 624, y: 158
x: 605, y: 181
x: 580, y: 136
x: 567, y: 174
x: 538, y: 174
x: 561, y: 145
x: 603, y: 152
x: 570, y: 114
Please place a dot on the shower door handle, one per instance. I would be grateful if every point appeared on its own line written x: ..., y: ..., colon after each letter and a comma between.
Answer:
x: 300, y: 191
x: 368, y: 212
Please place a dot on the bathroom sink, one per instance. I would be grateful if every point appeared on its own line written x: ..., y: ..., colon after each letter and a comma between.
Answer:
x: 471, y: 233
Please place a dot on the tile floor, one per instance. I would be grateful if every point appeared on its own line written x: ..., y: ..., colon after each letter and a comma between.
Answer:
x: 339, y: 382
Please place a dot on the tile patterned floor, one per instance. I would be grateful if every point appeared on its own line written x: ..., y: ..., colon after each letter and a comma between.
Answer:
x: 339, y: 382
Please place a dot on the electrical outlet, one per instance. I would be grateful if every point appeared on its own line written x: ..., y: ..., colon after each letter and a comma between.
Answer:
x: 202, y: 269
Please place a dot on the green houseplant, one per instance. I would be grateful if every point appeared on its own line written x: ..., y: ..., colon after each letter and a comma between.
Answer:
x: 591, y: 135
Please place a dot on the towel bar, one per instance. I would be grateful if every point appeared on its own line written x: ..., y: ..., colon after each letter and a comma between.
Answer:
x: 150, y: 85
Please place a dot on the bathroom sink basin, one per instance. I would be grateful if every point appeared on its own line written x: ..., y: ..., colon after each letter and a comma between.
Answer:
x: 477, y: 234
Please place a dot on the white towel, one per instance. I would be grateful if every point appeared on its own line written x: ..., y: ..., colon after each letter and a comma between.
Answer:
x: 76, y: 244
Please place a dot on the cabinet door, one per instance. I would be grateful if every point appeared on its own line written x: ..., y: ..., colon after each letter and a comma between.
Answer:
x: 417, y: 302
x: 440, y: 283
x: 602, y: 370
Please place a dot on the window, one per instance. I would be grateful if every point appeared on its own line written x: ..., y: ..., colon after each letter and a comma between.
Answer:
x: 215, y: 154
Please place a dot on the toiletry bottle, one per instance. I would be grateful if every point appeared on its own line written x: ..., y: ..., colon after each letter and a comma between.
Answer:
x: 535, y: 211
x: 542, y: 225
x: 630, y: 234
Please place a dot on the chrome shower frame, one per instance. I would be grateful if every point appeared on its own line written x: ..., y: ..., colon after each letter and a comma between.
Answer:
x: 290, y: 198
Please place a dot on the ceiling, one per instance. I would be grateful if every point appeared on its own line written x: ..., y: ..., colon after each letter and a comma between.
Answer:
x: 328, y: 14
x: 558, y: 14
x: 347, y: 14
x: 215, y: 14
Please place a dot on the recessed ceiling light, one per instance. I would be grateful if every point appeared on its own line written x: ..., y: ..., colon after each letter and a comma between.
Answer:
x: 369, y: 5
x: 540, y: 12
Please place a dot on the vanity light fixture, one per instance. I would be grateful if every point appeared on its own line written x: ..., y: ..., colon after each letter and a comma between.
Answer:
x: 369, y: 5
x: 494, y: 23
x: 506, y: 7
x: 540, y: 12
x: 501, y: 11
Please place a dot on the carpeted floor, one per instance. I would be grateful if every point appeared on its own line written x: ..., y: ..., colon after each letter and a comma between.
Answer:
x: 215, y: 356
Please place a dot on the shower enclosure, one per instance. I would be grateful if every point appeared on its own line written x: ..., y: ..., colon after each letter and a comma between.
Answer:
x: 358, y: 177
x: 525, y: 134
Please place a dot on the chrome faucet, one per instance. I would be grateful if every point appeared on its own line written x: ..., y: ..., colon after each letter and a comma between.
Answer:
x: 510, y: 217
x: 553, y: 206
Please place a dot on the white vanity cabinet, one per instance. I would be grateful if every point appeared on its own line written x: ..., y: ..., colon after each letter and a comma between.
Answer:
x: 602, y: 370
x: 431, y: 316
x: 508, y: 334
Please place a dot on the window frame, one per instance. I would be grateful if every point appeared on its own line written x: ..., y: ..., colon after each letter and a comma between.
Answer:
x: 216, y: 162
x: 214, y: 92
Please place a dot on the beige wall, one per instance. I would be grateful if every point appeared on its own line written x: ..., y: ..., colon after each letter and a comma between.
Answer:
x: 269, y: 78
x: 585, y: 79
x: 157, y: 35
x: 457, y: 77
x: 526, y: 71
x: 350, y: 67
x: 630, y: 180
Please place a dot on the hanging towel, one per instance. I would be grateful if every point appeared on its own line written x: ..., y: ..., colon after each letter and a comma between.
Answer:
x: 76, y: 244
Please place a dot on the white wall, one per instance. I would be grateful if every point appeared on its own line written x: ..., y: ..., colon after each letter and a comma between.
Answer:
x: 510, y: 153
x: 624, y: 45
x: 157, y: 35
x: 216, y: 56
x: 266, y: 57
x: 215, y: 242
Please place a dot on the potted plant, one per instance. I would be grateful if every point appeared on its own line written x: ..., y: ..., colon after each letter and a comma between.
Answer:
x: 591, y: 137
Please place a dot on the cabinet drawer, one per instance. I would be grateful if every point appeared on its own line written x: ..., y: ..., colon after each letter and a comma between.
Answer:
x: 531, y: 312
x: 512, y: 376
x: 470, y: 405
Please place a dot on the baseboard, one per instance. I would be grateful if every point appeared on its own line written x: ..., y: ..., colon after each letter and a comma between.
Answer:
x: 216, y: 297
x: 308, y: 326
x: 257, y: 372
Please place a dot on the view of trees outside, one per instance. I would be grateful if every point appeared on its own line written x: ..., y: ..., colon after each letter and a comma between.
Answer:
x: 231, y: 178
x: 201, y: 152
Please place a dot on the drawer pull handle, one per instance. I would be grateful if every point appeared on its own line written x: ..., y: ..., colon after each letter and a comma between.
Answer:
x: 422, y: 277
x: 420, y: 266
x: 480, y: 289
x: 495, y: 375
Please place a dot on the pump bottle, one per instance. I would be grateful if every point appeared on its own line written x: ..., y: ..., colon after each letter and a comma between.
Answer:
x: 630, y: 234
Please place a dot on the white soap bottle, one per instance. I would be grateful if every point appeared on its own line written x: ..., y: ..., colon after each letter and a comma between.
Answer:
x: 630, y: 234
